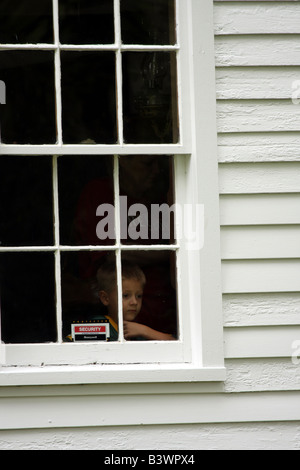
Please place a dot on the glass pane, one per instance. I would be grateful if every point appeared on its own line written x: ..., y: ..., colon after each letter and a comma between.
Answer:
x: 86, y: 21
x: 27, y: 297
x: 86, y: 182
x: 28, y: 117
x: 87, y: 212
x: 26, y: 21
x: 146, y: 189
x: 148, y: 22
x: 149, y: 298
x: 150, y: 97
x: 89, y: 301
x: 88, y: 97
x: 154, y: 315
x: 26, y: 207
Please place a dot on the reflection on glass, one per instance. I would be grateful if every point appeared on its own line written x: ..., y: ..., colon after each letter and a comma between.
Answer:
x: 86, y: 22
x: 88, y: 97
x: 27, y: 21
x: 85, y: 183
x: 150, y: 97
x: 149, y: 287
x: 28, y: 116
x: 26, y: 208
x: 27, y: 297
x: 148, y: 22
x: 89, y: 301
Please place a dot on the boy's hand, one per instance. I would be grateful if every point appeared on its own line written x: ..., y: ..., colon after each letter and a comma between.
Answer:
x: 132, y: 329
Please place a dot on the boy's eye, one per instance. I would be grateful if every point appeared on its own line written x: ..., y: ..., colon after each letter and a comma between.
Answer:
x: 138, y: 296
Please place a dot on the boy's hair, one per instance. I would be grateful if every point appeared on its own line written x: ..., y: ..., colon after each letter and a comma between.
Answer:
x: 106, y: 274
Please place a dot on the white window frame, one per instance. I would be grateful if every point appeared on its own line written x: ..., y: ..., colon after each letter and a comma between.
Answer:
x: 198, y: 353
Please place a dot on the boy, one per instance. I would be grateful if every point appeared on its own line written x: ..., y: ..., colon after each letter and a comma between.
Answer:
x: 133, y: 283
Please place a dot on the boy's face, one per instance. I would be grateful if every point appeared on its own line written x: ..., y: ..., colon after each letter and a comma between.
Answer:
x: 132, y: 294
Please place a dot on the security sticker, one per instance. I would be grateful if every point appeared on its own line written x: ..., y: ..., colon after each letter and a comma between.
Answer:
x: 91, y: 331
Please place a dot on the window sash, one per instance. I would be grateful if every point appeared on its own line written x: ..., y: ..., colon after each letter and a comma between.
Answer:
x: 26, y: 353
x: 181, y: 50
x: 93, y: 353
x: 123, y: 351
x: 200, y: 354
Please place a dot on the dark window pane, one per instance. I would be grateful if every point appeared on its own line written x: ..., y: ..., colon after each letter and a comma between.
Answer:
x: 26, y: 21
x: 27, y: 297
x: 150, y: 97
x: 86, y: 21
x: 85, y: 182
x: 148, y: 21
x: 28, y: 117
x: 147, y: 197
x: 88, y: 97
x: 26, y: 208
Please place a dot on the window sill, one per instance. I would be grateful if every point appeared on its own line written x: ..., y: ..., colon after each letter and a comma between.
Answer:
x: 105, y: 374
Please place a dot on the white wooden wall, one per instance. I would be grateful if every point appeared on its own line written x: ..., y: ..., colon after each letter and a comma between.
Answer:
x: 257, y: 63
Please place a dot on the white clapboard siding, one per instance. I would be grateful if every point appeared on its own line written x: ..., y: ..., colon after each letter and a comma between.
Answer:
x: 164, y: 409
x: 248, y: 209
x: 268, y: 341
x: 258, y: 115
x: 271, y: 275
x: 259, y: 177
x: 261, y: 375
x: 245, y: 17
x: 260, y: 139
x: 257, y: 74
x: 265, y: 83
x: 258, y: 147
x: 259, y: 153
x: 258, y: 50
x: 276, y: 308
x: 252, y: 242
